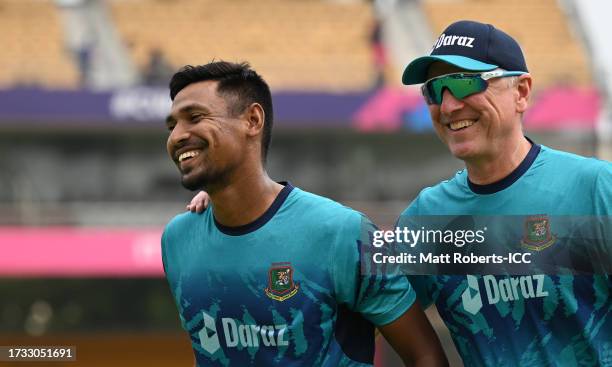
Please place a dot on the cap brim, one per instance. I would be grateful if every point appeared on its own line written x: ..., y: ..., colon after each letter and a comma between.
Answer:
x: 416, y: 71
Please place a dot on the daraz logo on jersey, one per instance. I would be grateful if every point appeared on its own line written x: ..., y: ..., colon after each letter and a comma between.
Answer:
x: 238, y: 334
x: 506, y: 289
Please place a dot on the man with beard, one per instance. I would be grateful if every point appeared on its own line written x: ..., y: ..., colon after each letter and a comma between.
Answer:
x: 269, y: 274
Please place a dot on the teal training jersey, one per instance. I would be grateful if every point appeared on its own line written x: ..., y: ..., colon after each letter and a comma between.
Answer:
x: 562, y: 320
x: 285, y: 290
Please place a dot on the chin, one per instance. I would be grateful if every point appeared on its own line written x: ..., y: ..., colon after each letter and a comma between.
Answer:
x: 462, y: 151
x: 204, y: 180
x: 193, y: 182
x: 191, y: 185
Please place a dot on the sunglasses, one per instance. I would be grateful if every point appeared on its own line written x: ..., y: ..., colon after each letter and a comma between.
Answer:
x: 461, y: 85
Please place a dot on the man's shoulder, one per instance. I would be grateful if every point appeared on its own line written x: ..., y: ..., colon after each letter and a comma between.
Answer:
x: 321, y: 205
x: 324, y: 212
x: 573, y: 164
x: 183, y: 221
x: 552, y: 154
x: 446, y: 187
x: 443, y: 191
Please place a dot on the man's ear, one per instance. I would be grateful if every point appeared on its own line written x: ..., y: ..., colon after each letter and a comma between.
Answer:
x: 255, y: 117
x: 523, y: 88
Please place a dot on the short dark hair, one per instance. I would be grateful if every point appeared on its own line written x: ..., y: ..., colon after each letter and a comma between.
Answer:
x: 237, y: 80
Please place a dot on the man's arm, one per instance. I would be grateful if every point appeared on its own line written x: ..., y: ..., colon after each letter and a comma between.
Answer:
x: 414, y: 340
x: 385, y: 297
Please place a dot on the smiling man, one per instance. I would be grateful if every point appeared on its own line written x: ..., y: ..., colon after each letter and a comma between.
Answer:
x: 269, y: 274
x: 477, y: 86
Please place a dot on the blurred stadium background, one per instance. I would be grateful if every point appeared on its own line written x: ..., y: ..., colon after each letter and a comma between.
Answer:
x: 85, y: 183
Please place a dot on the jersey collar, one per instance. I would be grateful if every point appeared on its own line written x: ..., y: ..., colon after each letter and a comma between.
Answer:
x: 263, y: 219
x: 507, y: 181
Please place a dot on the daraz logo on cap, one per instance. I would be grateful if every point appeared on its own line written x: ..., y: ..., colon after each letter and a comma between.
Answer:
x: 452, y: 40
x: 471, y: 46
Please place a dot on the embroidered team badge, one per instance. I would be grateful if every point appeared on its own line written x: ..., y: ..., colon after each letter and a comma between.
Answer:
x: 280, y: 282
x: 537, y: 235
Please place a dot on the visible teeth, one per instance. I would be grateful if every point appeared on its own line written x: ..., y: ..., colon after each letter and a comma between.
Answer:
x: 189, y: 154
x: 461, y: 124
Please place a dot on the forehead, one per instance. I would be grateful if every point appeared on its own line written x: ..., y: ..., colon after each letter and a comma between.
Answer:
x: 438, y: 68
x: 202, y: 93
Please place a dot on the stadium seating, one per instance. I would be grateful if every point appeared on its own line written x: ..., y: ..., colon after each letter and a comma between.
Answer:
x: 551, y: 46
x: 296, y: 45
x: 32, y: 45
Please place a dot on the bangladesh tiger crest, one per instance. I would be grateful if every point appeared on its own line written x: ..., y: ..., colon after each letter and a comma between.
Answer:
x: 280, y: 282
x: 537, y: 235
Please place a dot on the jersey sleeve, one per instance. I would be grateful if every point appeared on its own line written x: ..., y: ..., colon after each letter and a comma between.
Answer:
x: 172, y: 282
x: 424, y: 285
x: 379, y: 296
x: 602, y: 190
x: 163, y: 251
x: 425, y: 288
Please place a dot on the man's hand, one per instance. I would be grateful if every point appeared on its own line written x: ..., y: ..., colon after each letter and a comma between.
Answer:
x: 199, y: 202
x: 413, y: 338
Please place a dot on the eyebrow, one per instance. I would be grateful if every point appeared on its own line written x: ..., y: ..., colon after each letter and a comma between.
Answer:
x: 186, y: 109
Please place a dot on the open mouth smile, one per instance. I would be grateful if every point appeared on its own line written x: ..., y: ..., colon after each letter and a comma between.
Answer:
x: 188, y: 155
x: 459, y: 125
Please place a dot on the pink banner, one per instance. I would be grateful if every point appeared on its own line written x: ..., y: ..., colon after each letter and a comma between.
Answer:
x: 80, y: 252
x: 383, y: 112
x: 564, y: 108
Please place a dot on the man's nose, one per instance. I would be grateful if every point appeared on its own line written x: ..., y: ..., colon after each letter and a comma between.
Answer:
x: 450, y: 103
x: 178, y: 134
